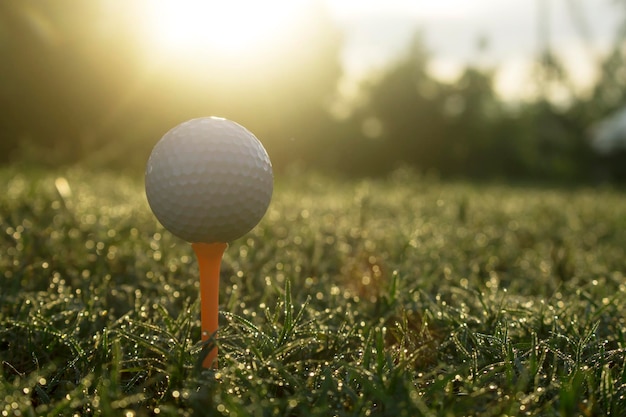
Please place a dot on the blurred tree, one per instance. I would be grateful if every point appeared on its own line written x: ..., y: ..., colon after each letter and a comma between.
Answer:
x: 608, y: 97
x: 455, y: 129
x: 610, y: 91
x: 464, y: 129
x: 471, y: 109
x: 406, y: 104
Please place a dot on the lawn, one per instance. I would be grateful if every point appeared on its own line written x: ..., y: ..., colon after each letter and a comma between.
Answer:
x: 399, y: 297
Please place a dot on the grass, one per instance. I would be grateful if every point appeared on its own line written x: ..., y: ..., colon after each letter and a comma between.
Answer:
x: 399, y: 297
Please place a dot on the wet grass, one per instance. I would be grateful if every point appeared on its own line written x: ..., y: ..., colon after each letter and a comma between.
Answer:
x: 402, y: 297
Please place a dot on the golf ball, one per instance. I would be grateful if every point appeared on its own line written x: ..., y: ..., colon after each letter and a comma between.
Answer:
x: 209, y: 180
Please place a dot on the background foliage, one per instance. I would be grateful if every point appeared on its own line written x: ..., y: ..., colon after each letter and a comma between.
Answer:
x: 75, y: 87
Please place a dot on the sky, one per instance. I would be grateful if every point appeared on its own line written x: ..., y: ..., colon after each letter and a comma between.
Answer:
x: 376, y: 31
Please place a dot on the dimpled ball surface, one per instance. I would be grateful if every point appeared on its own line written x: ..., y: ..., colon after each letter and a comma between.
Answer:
x: 209, y: 180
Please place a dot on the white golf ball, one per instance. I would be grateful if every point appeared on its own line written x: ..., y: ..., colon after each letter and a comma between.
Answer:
x: 209, y: 180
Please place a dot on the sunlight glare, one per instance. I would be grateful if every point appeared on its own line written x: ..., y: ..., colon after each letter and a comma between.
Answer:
x: 229, y: 27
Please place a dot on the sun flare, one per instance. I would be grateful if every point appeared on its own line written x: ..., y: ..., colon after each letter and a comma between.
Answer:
x: 227, y: 27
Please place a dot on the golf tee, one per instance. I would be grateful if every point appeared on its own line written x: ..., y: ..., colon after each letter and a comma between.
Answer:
x: 209, y: 257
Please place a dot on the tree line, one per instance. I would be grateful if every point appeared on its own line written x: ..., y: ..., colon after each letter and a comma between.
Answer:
x: 75, y: 88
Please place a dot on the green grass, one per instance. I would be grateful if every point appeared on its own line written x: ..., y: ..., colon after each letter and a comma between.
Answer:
x: 402, y: 297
